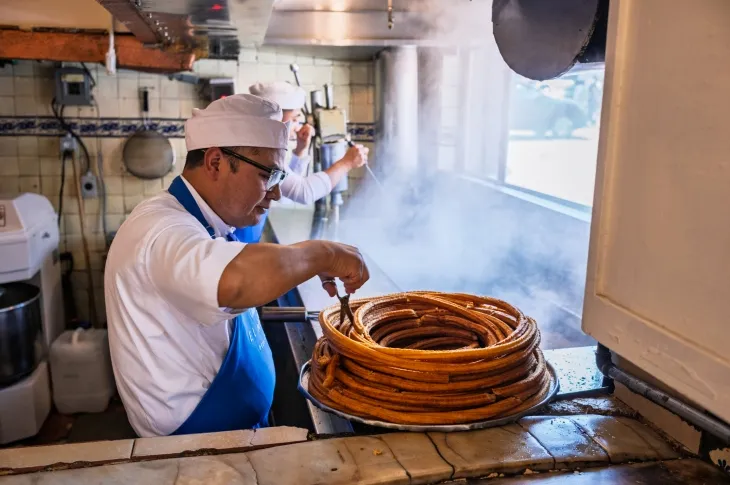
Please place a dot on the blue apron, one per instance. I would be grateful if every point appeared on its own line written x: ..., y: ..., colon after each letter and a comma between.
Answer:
x: 241, y: 394
x: 251, y: 234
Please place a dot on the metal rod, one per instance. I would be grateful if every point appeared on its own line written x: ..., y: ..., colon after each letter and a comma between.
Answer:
x: 370, y: 171
x: 329, y: 97
x: 286, y: 314
x: 295, y: 69
x: 693, y: 416
x: 367, y: 167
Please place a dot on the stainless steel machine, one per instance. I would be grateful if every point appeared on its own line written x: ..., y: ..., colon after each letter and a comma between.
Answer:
x: 31, y: 312
x: 330, y: 145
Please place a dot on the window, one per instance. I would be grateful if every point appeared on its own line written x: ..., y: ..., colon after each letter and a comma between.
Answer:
x: 553, y: 135
x: 500, y: 209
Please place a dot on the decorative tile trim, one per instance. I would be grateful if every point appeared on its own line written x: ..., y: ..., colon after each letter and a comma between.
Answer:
x: 102, y: 127
x: 123, y: 127
x: 362, y: 131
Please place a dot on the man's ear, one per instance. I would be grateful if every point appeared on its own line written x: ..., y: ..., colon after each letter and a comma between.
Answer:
x: 212, y: 162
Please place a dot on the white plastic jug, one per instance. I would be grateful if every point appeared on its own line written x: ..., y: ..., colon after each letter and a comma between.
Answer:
x: 81, y: 371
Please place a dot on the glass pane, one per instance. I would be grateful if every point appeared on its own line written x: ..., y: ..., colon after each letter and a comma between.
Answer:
x: 553, y: 135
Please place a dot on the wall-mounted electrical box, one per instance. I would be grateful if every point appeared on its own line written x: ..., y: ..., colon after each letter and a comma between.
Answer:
x: 73, y: 87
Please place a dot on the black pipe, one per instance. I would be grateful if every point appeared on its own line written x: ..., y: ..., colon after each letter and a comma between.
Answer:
x: 690, y: 414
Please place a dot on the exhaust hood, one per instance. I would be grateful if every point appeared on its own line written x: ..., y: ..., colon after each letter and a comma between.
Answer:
x: 179, y: 31
x: 379, y: 22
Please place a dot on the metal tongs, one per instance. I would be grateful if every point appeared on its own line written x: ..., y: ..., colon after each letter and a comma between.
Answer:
x: 345, y: 309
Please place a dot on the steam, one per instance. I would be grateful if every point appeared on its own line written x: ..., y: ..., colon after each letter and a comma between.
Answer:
x: 434, y: 234
x: 457, y: 22
x: 436, y: 230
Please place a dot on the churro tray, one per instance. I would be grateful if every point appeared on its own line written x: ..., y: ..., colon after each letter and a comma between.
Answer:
x: 489, y: 423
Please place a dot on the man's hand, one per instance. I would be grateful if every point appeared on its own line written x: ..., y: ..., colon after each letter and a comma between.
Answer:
x: 304, y: 138
x: 242, y: 286
x: 347, y: 264
x: 356, y: 156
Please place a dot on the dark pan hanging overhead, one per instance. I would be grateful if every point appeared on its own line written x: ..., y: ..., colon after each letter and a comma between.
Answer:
x: 542, y: 39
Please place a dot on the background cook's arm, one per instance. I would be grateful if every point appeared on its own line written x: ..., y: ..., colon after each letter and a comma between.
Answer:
x: 307, y: 189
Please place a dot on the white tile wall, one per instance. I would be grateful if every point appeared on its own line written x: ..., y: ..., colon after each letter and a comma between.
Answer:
x: 32, y: 164
x: 7, y: 86
x: 7, y: 106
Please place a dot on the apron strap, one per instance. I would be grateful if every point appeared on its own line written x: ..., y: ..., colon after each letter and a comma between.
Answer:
x: 180, y: 191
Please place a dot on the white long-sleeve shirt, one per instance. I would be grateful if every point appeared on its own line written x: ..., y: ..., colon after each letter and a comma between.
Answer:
x: 302, y: 188
x: 299, y: 165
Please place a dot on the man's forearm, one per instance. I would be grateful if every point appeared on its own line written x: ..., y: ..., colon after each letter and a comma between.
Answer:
x: 263, y: 272
x: 337, y: 171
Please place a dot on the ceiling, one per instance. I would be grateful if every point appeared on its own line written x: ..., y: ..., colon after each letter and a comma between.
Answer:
x: 216, y: 28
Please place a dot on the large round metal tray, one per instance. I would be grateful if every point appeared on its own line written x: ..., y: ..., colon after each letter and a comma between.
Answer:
x: 489, y: 423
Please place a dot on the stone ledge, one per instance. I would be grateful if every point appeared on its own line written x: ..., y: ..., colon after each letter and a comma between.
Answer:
x: 354, y: 460
x: 418, y: 455
x: 34, y: 458
x: 226, y: 442
x: 566, y: 442
x: 535, y: 444
x: 84, y: 455
x: 507, y: 449
x: 162, y: 446
x: 625, y: 439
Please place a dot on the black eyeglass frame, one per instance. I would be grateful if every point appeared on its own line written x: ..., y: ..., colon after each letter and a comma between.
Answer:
x: 276, y: 176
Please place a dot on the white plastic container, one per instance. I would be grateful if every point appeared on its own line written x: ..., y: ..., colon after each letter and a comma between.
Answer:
x: 81, y: 371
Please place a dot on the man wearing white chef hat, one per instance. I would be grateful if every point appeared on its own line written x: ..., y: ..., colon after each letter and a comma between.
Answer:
x: 297, y: 186
x: 187, y: 347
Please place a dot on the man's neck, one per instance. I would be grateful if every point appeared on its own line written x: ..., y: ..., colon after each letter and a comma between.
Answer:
x: 196, y: 181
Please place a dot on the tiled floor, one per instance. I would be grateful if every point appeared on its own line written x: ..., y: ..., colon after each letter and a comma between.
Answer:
x: 111, y: 424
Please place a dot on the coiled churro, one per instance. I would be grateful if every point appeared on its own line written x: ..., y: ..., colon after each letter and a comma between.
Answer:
x: 427, y: 358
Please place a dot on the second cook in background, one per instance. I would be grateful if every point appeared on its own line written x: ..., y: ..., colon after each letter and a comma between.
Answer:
x: 298, y: 186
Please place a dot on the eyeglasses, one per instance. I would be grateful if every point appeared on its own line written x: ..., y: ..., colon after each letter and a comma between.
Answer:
x: 276, y: 176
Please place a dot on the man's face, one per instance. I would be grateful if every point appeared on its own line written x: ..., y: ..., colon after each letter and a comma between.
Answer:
x: 296, y: 117
x: 243, y: 198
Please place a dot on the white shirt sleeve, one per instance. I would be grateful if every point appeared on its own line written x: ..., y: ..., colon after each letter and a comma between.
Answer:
x: 299, y: 165
x: 305, y: 190
x: 185, y: 264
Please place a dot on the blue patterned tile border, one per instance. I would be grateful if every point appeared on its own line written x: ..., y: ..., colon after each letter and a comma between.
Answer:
x: 123, y: 127
x: 102, y: 127
x: 362, y: 131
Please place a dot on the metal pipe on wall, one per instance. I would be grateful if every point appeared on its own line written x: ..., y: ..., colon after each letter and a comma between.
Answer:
x: 430, y: 92
x: 692, y: 415
x: 466, y: 67
x: 396, y: 105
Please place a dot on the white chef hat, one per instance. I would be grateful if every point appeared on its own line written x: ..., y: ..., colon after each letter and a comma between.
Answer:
x: 237, y: 120
x: 282, y: 93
